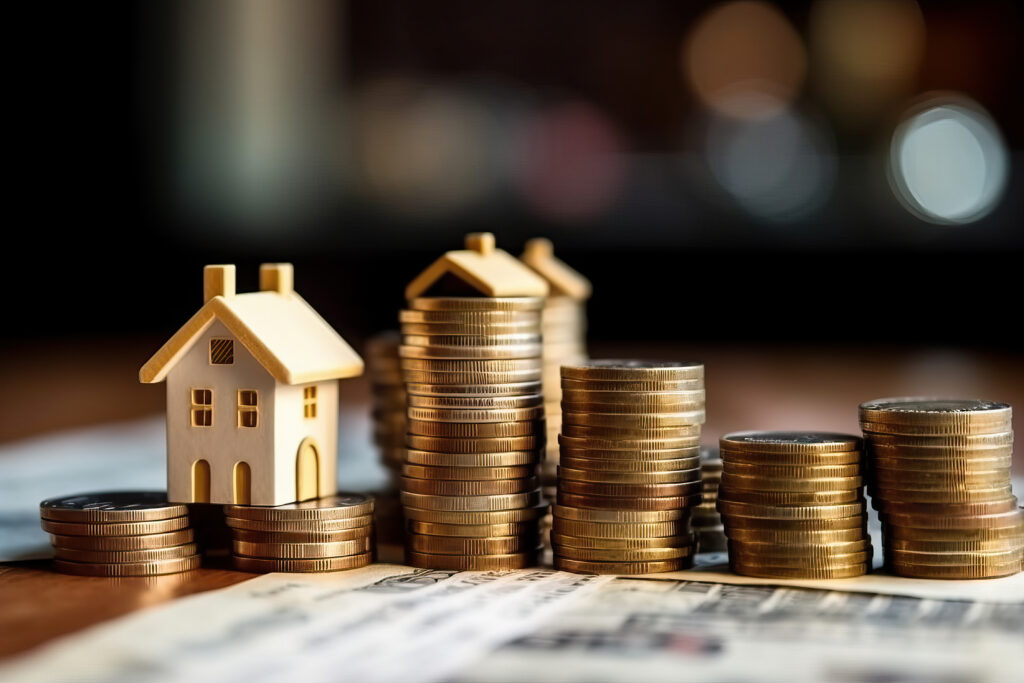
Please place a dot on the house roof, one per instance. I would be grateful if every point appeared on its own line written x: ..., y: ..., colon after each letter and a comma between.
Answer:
x: 283, y: 332
x: 563, y: 280
x: 492, y: 272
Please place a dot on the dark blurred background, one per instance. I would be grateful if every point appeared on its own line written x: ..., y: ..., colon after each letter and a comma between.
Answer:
x: 833, y: 181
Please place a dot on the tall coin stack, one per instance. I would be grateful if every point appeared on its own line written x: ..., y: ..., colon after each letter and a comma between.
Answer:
x: 792, y: 505
x: 629, y: 472
x: 940, y: 480
x: 119, y: 534
x: 564, y: 329
x: 707, y: 523
x: 324, y: 535
x: 469, y: 490
x: 389, y: 400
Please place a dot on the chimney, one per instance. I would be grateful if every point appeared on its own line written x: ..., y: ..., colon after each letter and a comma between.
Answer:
x: 277, y: 277
x: 480, y: 242
x: 218, y: 281
x: 539, y: 249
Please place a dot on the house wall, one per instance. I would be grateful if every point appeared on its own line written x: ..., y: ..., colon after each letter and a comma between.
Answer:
x: 291, y: 428
x: 224, y: 443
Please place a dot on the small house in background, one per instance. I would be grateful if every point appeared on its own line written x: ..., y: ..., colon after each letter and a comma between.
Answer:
x: 478, y: 270
x: 252, y: 395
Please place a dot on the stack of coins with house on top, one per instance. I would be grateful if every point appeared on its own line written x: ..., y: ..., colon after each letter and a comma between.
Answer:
x: 471, y: 359
x: 564, y: 328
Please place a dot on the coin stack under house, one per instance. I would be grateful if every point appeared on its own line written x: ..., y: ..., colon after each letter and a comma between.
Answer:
x: 119, y: 534
x: 323, y: 535
x: 707, y: 522
x: 940, y: 480
x: 389, y: 402
x: 629, y: 472
x: 564, y: 330
x: 472, y: 367
x: 792, y: 505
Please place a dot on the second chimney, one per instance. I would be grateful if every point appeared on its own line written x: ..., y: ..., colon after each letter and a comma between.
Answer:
x: 277, y: 277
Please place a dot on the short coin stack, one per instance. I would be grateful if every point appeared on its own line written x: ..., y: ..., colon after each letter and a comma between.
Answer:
x: 940, y: 480
x: 389, y: 400
x: 470, y: 494
x: 119, y: 534
x: 792, y: 504
x: 629, y: 472
x: 323, y: 535
x: 707, y: 523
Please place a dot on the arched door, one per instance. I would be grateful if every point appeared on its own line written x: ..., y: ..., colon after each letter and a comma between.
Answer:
x: 201, y: 481
x: 307, y: 470
x: 243, y: 483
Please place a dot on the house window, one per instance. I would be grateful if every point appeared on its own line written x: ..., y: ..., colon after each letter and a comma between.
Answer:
x: 202, y: 407
x: 248, y: 406
x: 222, y: 351
x: 309, y: 402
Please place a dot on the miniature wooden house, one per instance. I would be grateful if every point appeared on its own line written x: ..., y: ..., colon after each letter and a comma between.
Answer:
x: 478, y: 270
x: 562, y: 279
x: 252, y: 395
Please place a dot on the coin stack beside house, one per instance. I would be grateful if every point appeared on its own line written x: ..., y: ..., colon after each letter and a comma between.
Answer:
x: 707, y: 523
x: 940, y: 480
x: 119, y: 534
x: 389, y: 402
x: 792, y: 505
x: 472, y: 367
x: 323, y: 535
x: 629, y: 472
x: 564, y: 330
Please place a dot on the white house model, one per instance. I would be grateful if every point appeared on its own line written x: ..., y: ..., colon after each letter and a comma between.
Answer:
x: 252, y: 395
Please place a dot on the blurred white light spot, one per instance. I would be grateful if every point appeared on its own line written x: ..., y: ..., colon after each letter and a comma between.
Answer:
x: 779, y: 168
x: 948, y: 164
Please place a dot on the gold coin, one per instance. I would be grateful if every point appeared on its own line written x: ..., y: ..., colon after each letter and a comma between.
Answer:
x: 954, y: 571
x: 444, y: 545
x: 622, y: 516
x: 159, y: 526
x: 478, y: 352
x: 472, y: 303
x: 441, y: 444
x: 792, y: 459
x: 789, y: 443
x: 687, y: 435
x: 477, y: 430
x: 963, y: 559
x: 471, y: 328
x: 744, y: 482
x: 627, y: 465
x: 476, y: 415
x: 118, y: 557
x: 473, y: 460
x: 465, y: 340
x: 736, y: 522
x: 473, y: 518
x: 888, y: 499
x: 804, y: 512
x: 626, y: 502
x: 805, y: 549
x: 120, y: 506
x: 619, y: 554
x: 769, y: 572
x: 791, y: 472
x: 967, y: 464
x: 628, y: 410
x: 521, y: 388
x: 655, y: 398
x: 625, y: 568
x: 1015, y: 529
x: 358, y: 533
x: 477, y: 402
x: 619, y: 530
x: 470, y: 503
x: 797, y: 561
x: 497, y: 562
x: 302, y: 551
x: 782, y: 498
x: 568, y: 384
x: 691, y: 417
x: 340, y: 506
x: 581, y: 445
x: 782, y: 536
x: 959, y: 546
x: 633, y: 370
x: 301, y: 525
x: 467, y: 473
x: 645, y: 490
x: 448, y: 380
x: 447, y: 487
x: 925, y: 444
x: 465, y: 317
x: 873, y: 429
x: 606, y: 477
x: 971, y: 415
x: 920, y: 480
x: 602, y: 543
x: 470, y: 365
x: 473, y: 530
x: 153, y: 568
x: 972, y: 518
x: 261, y: 565
x: 123, y: 543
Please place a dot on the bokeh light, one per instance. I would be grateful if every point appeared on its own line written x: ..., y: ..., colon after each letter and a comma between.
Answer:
x: 948, y: 162
x: 745, y: 60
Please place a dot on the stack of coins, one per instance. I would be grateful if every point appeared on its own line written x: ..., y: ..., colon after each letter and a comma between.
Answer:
x: 119, y: 534
x: 792, y: 505
x: 470, y: 494
x: 389, y: 400
x: 707, y: 523
x: 940, y: 480
x: 629, y: 472
x: 323, y: 535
